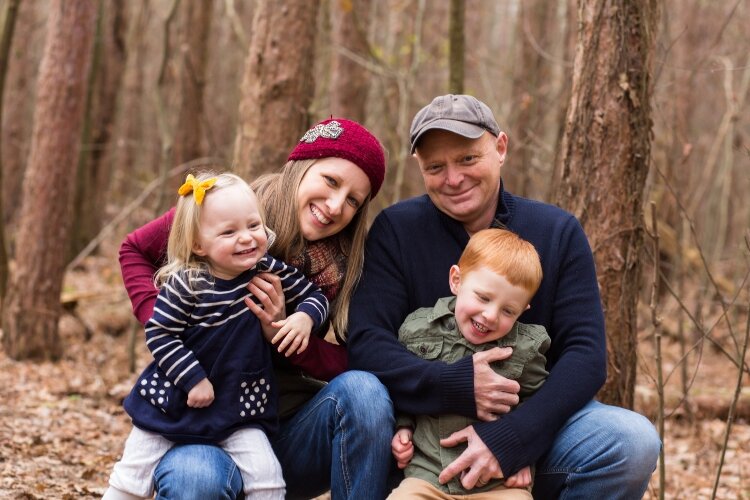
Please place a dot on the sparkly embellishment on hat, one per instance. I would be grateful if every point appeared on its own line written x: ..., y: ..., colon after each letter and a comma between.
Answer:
x: 331, y: 130
x: 352, y: 142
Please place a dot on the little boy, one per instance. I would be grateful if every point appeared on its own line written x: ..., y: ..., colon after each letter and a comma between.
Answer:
x: 493, y: 283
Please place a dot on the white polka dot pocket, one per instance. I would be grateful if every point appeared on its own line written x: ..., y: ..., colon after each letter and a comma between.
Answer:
x: 255, y: 398
x: 157, y: 389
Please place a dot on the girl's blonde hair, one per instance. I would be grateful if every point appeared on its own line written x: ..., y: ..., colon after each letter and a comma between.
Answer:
x: 186, y: 226
x: 506, y: 254
x: 274, y: 191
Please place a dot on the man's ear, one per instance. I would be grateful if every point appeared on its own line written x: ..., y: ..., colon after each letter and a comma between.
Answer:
x: 501, y: 146
x: 454, y: 279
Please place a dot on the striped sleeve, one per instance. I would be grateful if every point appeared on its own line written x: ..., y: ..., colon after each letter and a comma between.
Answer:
x: 298, y: 291
x: 164, y: 335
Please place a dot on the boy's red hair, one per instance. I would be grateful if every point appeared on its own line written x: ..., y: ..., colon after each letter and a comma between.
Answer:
x: 506, y: 254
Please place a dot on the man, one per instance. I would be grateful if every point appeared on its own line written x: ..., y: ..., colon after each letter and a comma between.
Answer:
x: 581, y: 448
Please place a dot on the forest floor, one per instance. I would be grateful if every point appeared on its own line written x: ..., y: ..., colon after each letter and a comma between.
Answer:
x: 62, y: 425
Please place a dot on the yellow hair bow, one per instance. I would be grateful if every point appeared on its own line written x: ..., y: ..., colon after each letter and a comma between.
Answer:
x: 198, y: 188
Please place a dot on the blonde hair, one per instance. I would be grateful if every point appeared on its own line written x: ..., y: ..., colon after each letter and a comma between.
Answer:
x: 506, y: 254
x: 186, y: 226
x: 273, y: 191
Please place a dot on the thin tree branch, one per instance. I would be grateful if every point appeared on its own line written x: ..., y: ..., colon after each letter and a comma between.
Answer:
x: 700, y: 252
x: 656, y: 323
x: 735, y: 399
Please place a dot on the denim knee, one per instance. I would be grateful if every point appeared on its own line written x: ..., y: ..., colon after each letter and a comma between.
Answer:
x: 366, y: 399
x: 644, y: 444
x: 197, y: 472
x: 633, y: 441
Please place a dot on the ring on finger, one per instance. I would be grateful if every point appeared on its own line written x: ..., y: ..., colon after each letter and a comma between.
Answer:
x: 482, y: 482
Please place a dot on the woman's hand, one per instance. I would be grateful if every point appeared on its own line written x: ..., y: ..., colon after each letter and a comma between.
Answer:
x: 267, y: 288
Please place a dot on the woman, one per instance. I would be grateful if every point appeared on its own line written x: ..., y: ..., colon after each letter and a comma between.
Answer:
x: 332, y: 436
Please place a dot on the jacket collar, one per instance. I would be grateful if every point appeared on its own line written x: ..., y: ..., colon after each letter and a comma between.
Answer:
x: 446, y: 307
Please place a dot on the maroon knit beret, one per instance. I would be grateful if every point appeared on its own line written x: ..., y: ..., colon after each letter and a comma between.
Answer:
x: 339, y: 138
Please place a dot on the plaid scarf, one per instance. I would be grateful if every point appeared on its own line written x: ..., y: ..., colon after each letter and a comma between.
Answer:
x: 324, y: 264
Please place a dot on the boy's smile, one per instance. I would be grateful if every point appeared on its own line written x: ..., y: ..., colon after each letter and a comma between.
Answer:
x: 487, y: 305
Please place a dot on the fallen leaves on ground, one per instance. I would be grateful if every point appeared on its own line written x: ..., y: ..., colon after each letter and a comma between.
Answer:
x: 62, y: 426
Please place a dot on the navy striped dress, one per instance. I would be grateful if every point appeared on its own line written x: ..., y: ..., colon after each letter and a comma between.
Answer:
x: 204, y: 329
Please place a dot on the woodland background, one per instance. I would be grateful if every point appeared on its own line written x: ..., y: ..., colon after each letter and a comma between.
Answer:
x: 631, y: 114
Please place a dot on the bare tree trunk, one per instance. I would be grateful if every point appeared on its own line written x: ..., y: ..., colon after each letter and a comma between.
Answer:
x: 6, y: 37
x: 18, y: 112
x: 403, y: 52
x: 101, y: 107
x: 129, y: 140
x: 456, y: 37
x: 605, y: 161
x: 161, y: 94
x: 528, y: 87
x: 277, y: 87
x: 194, y: 26
x: 349, y: 80
x: 32, y: 306
x: 570, y: 35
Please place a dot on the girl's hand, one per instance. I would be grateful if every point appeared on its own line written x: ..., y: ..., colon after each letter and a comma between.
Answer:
x: 267, y: 288
x: 402, y: 447
x: 201, y: 395
x: 293, y: 333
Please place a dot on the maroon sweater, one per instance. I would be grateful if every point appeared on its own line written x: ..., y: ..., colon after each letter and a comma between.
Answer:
x: 145, y: 250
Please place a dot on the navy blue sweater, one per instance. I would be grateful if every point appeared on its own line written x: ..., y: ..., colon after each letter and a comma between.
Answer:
x: 409, y: 251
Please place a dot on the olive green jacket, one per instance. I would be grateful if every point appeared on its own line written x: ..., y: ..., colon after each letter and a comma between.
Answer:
x: 431, y: 333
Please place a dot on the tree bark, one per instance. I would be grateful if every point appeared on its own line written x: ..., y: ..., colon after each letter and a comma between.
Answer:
x: 32, y: 306
x: 6, y: 38
x: 18, y: 112
x: 532, y: 77
x: 277, y: 86
x: 194, y: 26
x: 456, y: 37
x: 130, y: 138
x: 104, y: 85
x: 349, y: 80
x: 605, y: 162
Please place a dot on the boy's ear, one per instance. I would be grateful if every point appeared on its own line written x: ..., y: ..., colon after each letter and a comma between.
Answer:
x: 454, y: 279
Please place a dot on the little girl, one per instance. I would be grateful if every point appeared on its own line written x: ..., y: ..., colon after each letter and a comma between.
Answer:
x: 212, y: 380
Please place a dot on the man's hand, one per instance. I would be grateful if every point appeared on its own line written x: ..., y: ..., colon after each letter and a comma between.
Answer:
x: 494, y: 394
x: 201, y: 395
x: 402, y: 447
x: 520, y: 479
x: 477, y: 461
x: 267, y: 288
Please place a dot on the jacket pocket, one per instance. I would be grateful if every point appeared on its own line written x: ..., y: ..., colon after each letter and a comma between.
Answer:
x: 424, y: 347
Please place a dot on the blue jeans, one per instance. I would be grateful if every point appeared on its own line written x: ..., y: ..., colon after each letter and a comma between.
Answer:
x: 601, y: 452
x: 339, y: 440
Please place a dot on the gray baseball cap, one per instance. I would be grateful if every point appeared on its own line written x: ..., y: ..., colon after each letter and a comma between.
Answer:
x: 461, y: 114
